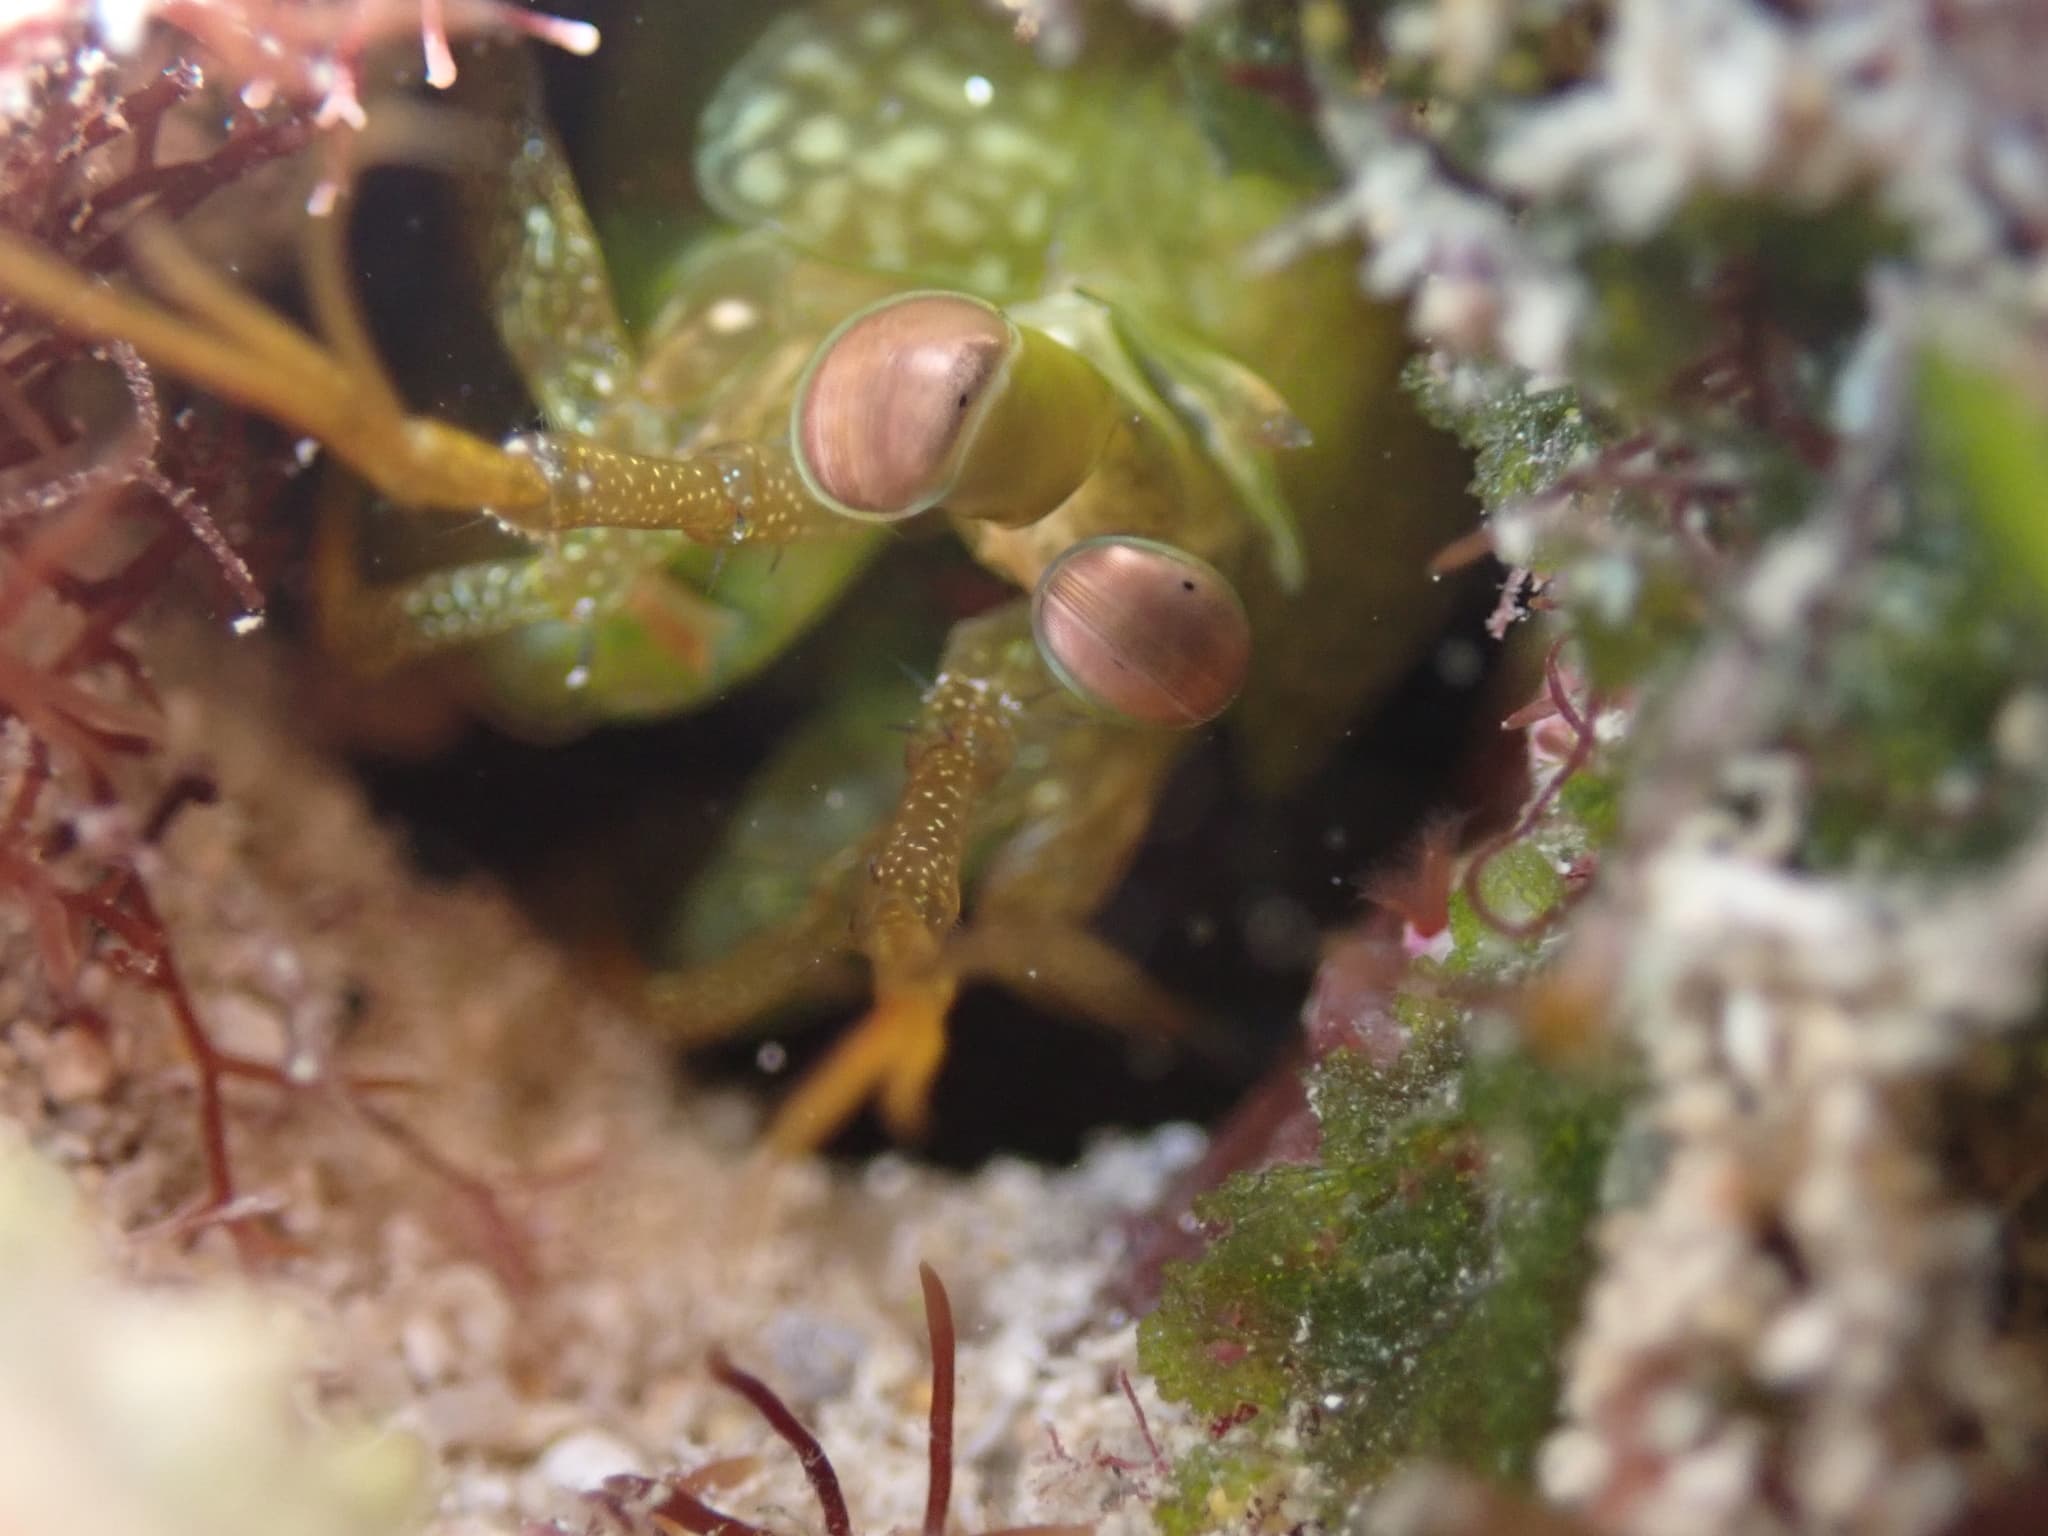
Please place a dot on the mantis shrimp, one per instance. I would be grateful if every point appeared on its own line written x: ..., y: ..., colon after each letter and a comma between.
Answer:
x: 946, y: 282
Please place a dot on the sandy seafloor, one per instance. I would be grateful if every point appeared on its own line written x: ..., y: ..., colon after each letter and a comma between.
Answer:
x: 651, y: 1231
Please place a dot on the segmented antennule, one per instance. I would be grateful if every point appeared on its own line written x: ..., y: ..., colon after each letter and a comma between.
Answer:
x: 889, y: 406
x: 1140, y: 629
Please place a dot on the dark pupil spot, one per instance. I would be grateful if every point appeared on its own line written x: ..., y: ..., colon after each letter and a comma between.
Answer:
x: 963, y: 402
x: 1186, y: 585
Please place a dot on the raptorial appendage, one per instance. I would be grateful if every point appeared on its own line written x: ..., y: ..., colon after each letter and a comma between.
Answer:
x: 908, y: 892
x: 1048, y: 799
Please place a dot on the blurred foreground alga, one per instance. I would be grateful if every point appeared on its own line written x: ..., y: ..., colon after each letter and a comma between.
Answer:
x: 1677, y: 1157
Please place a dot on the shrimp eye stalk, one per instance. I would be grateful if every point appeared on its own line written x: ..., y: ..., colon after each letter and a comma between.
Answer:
x: 937, y: 398
x: 1141, y: 631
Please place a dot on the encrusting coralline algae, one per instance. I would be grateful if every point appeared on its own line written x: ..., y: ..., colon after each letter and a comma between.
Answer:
x: 1708, y: 281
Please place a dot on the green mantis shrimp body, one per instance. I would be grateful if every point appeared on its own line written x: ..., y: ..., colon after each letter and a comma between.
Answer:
x: 858, y: 147
x: 858, y: 150
x: 927, y: 145
x: 878, y: 188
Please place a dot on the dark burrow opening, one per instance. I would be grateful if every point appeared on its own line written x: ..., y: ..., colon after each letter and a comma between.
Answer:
x: 1225, y: 903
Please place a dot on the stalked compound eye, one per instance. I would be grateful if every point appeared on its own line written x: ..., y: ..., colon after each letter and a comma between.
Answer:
x: 1143, y: 630
x: 887, y: 408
